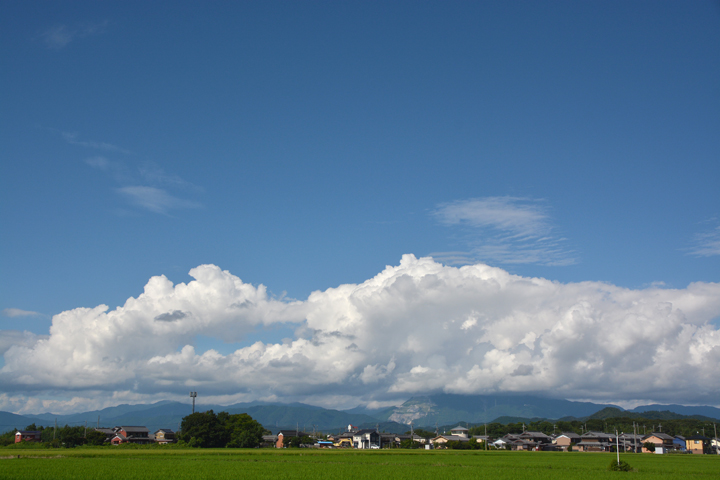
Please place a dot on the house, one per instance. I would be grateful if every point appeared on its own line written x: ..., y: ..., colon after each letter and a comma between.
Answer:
x: 679, y: 443
x: 441, y: 440
x: 109, y: 433
x: 697, y: 444
x: 663, y: 442
x: 415, y: 438
x: 595, y: 442
x: 460, y: 431
x: 131, y: 434
x: 537, y: 439
x: 520, y: 444
x: 366, y: 438
x: 165, y: 435
x: 629, y: 442
x: 27, y: 436
x: 505, y: 442
x: 269, y: 440
x: 565, y: 439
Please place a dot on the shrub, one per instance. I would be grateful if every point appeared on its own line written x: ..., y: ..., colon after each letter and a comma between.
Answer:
x: 623, y: 466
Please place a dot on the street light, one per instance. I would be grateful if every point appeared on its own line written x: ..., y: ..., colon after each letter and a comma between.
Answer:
x: 193, y: 395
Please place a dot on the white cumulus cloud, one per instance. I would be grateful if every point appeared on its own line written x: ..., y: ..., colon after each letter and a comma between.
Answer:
x: 419, y: 326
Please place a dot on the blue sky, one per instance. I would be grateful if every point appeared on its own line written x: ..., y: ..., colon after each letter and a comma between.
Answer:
x: 307, y: 145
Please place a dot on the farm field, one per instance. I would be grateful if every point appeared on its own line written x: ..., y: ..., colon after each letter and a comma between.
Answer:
x: 103, y: 462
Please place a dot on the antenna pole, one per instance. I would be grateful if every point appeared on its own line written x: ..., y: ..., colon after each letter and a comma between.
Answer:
x: 193, y: 395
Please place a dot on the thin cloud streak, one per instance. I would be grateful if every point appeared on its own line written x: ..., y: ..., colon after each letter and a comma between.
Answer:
x: 505, y: 230
x: 515, y: 216
x: 155, y: 199
x: 60, y: 36
x: 71, y: 138
x: 16, y: 312
x: 706, y: 244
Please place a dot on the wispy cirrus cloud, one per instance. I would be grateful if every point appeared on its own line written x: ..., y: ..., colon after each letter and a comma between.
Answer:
x: 72, y: 139
x: 16, y: 312
x: 152, y: 173
x: 59, y: 36
x: 155, y: 199
x: 507, y: 230
x: 707, y: 244
x: 145, y: 186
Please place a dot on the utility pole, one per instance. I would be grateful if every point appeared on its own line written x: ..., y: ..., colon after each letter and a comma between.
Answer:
x: 98, y: 425
x: 634, y: 438
x: 617, y: 446
x: 193, y: 395
x: 85, y: 436
x: 486, y: 437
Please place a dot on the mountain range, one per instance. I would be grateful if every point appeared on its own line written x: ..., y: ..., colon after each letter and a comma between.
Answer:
x: 422, y: 411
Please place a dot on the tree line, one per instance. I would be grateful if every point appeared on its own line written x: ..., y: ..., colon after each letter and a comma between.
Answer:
x: 202, y: 429
x: 52, y: 437
x: 685, y: 427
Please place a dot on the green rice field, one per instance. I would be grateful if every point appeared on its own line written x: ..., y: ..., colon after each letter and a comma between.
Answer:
x: 110, y: 463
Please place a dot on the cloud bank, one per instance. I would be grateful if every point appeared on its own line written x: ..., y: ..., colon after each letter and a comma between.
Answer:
x: 416, y: 327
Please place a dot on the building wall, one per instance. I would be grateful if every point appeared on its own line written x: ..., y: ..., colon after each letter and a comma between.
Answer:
x: 694, y: 446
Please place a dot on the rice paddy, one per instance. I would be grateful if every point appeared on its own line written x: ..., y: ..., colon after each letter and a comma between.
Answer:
x: 221, y: 464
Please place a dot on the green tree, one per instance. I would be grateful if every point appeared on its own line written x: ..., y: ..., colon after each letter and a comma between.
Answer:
x: 204, y: 429
x: 8, y: 438
x: 409, y: 443
x: 295, y: 442
x: 210, y: 430
x: 94, y: 437
x: 244, y: 431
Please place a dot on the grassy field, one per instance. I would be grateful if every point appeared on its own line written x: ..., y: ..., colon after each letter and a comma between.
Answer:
x: 103, y: 462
